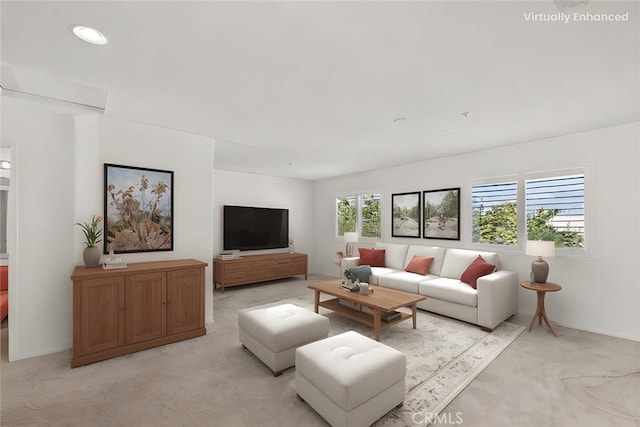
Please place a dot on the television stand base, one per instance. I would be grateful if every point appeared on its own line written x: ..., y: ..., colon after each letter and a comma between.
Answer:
x: 257, y: 268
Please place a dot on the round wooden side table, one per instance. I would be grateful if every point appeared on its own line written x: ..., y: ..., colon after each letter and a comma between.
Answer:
x: 541, y: 289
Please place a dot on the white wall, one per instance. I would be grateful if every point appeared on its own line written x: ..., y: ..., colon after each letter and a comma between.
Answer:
x: 236, y: 188
x: 58, y: 156
x: 57, y: 179
x: 40, y: 226
x: 190, y: 157
x: 600, y: 291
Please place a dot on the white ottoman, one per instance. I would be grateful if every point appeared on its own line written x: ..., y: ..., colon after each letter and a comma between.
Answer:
x: 349, y: 379
x: 274, y: 333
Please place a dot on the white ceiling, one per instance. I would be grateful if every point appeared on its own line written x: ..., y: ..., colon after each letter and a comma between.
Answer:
x: 312, y: 89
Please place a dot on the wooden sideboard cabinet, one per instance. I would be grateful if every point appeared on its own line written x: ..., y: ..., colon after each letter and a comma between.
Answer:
x: 258, y: 268
x: 145, y: 305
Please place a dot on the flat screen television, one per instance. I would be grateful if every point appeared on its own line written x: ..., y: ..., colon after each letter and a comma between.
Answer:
x: 251, y: 228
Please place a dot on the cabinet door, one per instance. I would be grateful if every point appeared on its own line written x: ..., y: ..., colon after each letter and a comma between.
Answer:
x: 185, y: 300
x: 101, y: 317
x: 299, y: 265
x: 145, y: 302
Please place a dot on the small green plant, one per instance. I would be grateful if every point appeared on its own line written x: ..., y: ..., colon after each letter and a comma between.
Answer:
x: 91, y: 231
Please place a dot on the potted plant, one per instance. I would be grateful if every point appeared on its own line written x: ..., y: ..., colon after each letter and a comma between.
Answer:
x: 92, y: 233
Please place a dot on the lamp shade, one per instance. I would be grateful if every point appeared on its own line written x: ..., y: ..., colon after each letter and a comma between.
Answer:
x: 350, y: 236
x: 540, y: 248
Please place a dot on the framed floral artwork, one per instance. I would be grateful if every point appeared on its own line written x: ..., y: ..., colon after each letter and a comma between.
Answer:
x: 138, y: 209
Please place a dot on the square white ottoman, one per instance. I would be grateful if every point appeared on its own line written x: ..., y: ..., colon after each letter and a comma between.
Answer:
x: 274, y: 333
x: 350, y: 379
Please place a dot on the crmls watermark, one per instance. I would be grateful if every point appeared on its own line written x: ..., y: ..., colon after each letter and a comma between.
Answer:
x: 447, y: 418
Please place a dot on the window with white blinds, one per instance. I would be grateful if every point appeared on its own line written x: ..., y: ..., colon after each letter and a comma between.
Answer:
x: 494, y: 213
x: 555, y: 209
x: 538, y: 206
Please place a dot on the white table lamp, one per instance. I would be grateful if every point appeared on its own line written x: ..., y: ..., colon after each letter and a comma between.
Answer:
x: 350, y: 237
x: 539, y: 267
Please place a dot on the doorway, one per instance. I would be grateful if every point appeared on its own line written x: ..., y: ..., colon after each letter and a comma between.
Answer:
x: 5, y: 181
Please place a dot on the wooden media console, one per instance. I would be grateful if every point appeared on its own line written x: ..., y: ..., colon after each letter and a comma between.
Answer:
x: 258, y: 268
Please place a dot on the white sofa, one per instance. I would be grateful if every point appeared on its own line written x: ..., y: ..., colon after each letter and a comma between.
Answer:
x: 494, y: 300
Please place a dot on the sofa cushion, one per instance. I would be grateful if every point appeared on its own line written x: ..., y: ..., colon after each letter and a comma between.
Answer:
x: 451, y: 290
x: 372, y: 257
x: 456, y: 261
x: 419, y: 265
x: 403, y: 281
x: 377, y: 272
x: 395, y: 254
x: 478, y: 268
x: 428, y: 251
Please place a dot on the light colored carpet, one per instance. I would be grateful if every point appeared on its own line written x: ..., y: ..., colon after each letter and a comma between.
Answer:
x: 212, y: 380
x: 443, y: 356
x: 614, y: 392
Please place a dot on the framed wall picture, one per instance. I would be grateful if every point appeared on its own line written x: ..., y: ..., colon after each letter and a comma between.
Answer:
x: 138, y: 209
x: 405, y: 214
x: 441, y: 214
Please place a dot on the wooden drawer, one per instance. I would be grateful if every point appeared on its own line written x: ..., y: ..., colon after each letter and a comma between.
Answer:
x: 281, y: 268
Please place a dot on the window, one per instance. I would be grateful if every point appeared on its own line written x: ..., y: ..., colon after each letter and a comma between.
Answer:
x: 370, y: 215
x: 346, y: 214
x: 359, y: 213
x: 494, y: 216
x: 551, y: 207
x: 555, y: 210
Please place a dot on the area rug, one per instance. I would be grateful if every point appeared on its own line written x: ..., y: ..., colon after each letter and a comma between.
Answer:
x: 443, y: 356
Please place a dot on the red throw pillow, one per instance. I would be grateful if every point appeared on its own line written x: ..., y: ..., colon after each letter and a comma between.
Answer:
x: 372, y: 257
x: 419, y: 265
x: 478, y: 268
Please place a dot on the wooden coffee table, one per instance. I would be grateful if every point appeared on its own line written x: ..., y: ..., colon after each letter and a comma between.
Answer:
x: 381, y: 300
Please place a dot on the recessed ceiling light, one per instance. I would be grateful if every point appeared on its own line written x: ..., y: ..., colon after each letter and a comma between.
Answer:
x: 90, y: 35
x: 5, y: 164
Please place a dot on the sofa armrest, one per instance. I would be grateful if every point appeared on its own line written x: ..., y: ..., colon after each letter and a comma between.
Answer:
x: 497, y: 298
x: 348, y: 262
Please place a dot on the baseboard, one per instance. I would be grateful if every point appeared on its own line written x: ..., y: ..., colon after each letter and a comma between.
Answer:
x: 579, y: 328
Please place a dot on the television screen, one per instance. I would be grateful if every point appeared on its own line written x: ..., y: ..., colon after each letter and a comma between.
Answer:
x: 252, y: 228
